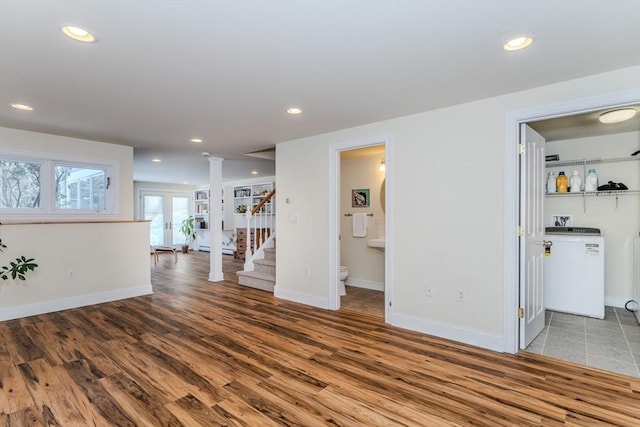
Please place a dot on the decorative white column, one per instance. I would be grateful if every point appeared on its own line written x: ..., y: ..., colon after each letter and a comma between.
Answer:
x: 215, y: 219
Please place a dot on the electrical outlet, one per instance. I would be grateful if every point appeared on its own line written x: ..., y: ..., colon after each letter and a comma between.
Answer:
x: 71, y: 274
x: 428, y: 291
x: 460, y: 296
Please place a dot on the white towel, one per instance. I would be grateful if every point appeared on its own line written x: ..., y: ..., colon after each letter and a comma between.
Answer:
x: 359, y: 225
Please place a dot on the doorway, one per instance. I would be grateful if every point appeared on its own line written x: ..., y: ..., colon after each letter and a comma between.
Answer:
x: 165, y: 212
x: 362, y: 220
x: 369, y: 201
x: 516, y: 330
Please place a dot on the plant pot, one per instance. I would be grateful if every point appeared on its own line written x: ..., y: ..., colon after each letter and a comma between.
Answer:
x: 185, y: 249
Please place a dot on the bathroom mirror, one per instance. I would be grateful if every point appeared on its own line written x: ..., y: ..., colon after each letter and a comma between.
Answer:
x: 382, y: 195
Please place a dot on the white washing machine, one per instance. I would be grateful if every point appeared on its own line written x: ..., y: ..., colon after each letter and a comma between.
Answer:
x: 574, y: 271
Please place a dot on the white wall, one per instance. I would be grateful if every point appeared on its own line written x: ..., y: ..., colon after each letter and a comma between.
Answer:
x: 108, y: 261
x: 619, y: 220
x: 66, y: 146
x: 365, y: 264
x: 448, y: 168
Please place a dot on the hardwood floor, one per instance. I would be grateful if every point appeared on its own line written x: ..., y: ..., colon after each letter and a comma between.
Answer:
x: 202, y: 353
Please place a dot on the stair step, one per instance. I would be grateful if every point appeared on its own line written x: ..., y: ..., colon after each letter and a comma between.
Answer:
x: 257, y: 279
x: 270, y: 253
x: 265, y: 265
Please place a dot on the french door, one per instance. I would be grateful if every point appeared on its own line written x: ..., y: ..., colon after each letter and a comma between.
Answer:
x: 165, y: 211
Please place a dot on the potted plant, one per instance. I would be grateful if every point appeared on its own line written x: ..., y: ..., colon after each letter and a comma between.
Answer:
x: 188, y: 231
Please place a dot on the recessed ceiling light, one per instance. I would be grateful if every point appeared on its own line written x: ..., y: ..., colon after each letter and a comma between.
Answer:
x: 518, y: 43
x: 196, y: 140
x: 254, y: 172
x: 294, y: 110
x: 617, y: 116
x: 156, y: 160
x: 79, y: 34
x: 22, y: 107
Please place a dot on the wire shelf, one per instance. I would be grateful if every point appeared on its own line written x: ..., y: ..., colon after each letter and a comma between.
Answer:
x: 578, y: 162
x: 595, y: 193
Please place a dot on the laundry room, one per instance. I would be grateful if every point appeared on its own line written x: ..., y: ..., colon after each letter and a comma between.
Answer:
x: 612, y: 155
x: 591, y: 241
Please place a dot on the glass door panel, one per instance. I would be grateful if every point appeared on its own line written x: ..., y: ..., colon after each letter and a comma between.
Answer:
x: 165, y: 212
x: 179, y: 212
x: 153, y: 210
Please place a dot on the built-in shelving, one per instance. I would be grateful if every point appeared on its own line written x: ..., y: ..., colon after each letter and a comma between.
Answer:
x: 201, y: 209
x: 248, y: 196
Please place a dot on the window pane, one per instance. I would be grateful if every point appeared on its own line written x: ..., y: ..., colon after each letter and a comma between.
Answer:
x: 19, y: 184
x: 80, y: 188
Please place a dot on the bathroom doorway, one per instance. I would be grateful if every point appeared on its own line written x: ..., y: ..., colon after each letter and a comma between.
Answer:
x: 362, y: 220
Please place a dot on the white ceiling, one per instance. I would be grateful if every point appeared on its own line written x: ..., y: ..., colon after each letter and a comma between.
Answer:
x: 167, y: 71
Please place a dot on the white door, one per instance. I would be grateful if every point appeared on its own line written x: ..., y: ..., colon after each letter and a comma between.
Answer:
x: 532, y: 242
x: 165, y: 212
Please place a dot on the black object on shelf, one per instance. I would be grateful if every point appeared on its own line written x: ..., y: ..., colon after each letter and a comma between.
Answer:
x: 552, y: 157
x: 612, y: 186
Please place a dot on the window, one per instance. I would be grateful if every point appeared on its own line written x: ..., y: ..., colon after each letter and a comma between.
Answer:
x: 80, y: 188
x: 32, y: 186
x: 20, y: 184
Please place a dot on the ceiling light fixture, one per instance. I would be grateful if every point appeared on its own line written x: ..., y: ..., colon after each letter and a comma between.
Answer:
x: 254, y: 172
x: 617, y: 116
x: 294, y: 110
x: 196, y: 140
x: 79, y: 34
x: 156, y: 160
x: 382, y: 167
x: 518, y: 43
x: 22, y: 107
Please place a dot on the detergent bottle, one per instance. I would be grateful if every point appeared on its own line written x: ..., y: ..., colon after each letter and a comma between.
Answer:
x: 575, y: 183
x: 562, y: 183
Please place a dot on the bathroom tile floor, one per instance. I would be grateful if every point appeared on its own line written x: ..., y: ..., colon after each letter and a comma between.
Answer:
x: 363, y: 301
x: 612, y: 343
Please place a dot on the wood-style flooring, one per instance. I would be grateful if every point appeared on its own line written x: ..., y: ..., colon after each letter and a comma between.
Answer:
x: 201, y: 353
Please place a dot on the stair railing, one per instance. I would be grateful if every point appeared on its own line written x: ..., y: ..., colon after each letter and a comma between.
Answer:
x: 262, y: 220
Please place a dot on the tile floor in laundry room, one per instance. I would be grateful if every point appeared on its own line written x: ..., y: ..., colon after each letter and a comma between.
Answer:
x: 612, y: 343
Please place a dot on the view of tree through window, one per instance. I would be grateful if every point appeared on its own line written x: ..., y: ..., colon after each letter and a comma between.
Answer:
x: 80, y: 188
x: 19, y: 184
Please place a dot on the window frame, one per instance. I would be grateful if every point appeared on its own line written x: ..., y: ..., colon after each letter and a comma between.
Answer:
x: 48, y: 209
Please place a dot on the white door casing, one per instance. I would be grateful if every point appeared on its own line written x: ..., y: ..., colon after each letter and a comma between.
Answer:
x: 532, y: 241
x: 335, y: 214
x: 512, y: 198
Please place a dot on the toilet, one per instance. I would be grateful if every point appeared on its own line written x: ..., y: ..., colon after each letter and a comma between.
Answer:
x: 344, y: 273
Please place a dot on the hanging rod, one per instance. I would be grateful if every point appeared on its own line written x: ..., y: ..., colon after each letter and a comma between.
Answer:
x: 350, y: 214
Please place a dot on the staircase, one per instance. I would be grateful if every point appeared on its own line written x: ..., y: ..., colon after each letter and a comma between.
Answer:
x: 263, y: 275
x: 260, y: 254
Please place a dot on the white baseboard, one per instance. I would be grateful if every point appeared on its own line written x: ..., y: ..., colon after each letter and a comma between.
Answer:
x: 216, y: 278
x: 73, y: 302
x: 302, y: 298
x: 615, y: 301
x: 365, y: 284
x: 455, y: 333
